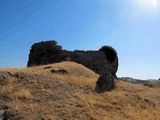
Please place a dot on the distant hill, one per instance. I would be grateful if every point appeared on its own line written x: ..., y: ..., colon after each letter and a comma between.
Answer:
x: 149, y: 82
x: 66, y: 91
x: 129, y: 79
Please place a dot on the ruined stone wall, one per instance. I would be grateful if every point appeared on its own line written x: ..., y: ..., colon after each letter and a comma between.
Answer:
x: 101, y: 61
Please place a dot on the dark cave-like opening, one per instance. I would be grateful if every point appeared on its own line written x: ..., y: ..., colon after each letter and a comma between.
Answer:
x: 110, y: 53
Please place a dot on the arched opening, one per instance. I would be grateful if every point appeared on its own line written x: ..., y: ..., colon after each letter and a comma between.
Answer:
x: 110, y: 53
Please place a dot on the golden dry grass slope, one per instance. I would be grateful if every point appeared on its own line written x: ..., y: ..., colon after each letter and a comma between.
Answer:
x: 38, y: 94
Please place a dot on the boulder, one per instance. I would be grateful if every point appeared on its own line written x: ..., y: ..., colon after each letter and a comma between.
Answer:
x: 105, y: 83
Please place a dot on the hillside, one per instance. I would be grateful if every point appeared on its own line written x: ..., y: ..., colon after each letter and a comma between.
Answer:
x: 65, y: 91
x: 149, y: 82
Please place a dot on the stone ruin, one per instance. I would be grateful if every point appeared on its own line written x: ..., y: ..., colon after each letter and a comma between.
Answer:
x: 103, y: 61
x: 100, y: 61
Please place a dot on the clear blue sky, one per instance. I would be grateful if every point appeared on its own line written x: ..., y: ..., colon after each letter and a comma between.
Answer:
x: 132, y: 27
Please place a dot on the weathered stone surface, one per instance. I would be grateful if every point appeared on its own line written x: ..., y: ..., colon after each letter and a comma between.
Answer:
x: 4, y: 76
x: 44, y: 53
x: 100, y: 61
x: 60, y: 71
x: 10, y: 115
x: 1, y: 114
x: 105, y: 83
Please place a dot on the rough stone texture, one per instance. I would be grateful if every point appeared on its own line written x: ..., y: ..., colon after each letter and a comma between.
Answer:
x: 60, y: 71
x: 10, y: 115
x: 44, y: 53
x: 105, y: 83
x: 1, y: 114
x: 100, y: 61
x: 4, y: 76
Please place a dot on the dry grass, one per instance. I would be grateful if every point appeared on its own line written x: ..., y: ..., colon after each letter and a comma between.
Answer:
x: 37, y: 94
x: 23, y: 94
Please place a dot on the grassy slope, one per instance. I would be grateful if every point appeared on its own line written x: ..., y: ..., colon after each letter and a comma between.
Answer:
x: 37, y: 94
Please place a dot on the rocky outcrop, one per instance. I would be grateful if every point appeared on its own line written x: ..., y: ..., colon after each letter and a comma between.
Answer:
x: 60, y: 71
x: 100, y: 61
x: 44, y: 53
x: 4, y: 77
x: 105, y: 83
